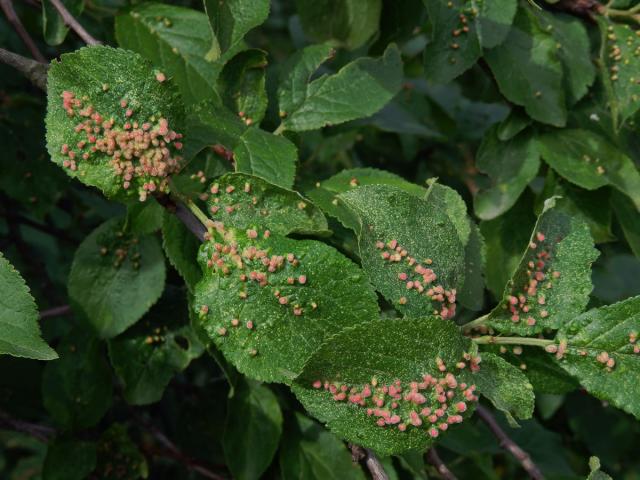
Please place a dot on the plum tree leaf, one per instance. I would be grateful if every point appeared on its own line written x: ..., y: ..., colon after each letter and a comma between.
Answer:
x: 528, y: 71
x: 148, y: 355
x: 77, y: 389
x: 115, y: 277
x: 552, y: 282
x: 627, y: 214
x: 409, y: 247
x: 247, y: 202
x: 459, y: 30
x: 242, y: 85
x: 357, y: 90
x: 270, y: 302
x: 345, y: 23
x: 511, y: 165
x: 590, y: 161
x: 53, y: 27
x: 253, y: 429
x: 388, y: 353
x: 20, y: 333
x: 309, y: 451
x: 181, y: 248
x: 176, y: 40
x: 118, y: 453
x: 98, y: 98
x: 603, y: 353
x: 69, y: 459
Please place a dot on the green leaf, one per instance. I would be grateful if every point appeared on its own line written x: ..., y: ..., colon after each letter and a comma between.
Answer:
x: 528, y: 70
x: 590, y: 161
x: 458, y: 31
x: 119, y: 85
x: 115, y: 277
x: 176, y: 40
x: 553, y: 280
x: 596, y: 473
x: 145, y: 218
x: 345, y: 23
x: 619, y: 69
x: 77, y: 389
x: 69, y: 459
x: 511, y: 165
x: 253, y: 429
x: 230, y: 20
x: 247, y: 202
x: 311, y: 293
x: 359, y: 89
x: 505, y: 386
x: 504, y: 237
x: 53, y: 27
x: 260, y: 153
x: 511, y: 126
x: 603, y: 354
x: 19, y: 330
x: 242, y: 84
x: 118, y: 454
x: 393, y: 221
x: 310, y: 452
x: 147, y: 356
x: 371, y: 356
x: 181, y: 247
x: 325, y: 194
x: 627, y: 215
x: 574, y: 51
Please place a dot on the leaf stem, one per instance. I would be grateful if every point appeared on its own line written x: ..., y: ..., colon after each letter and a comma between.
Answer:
x: 491, y: 340
x: 279, y: 130
x: 475, y: 323
x: 184, y: 214
x: 72, y: 23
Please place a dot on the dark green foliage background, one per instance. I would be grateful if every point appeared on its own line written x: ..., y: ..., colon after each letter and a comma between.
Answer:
x: 505, y: 125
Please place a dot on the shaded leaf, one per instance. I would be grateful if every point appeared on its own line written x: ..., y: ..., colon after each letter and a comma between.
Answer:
x: 253, y: 429
x: 147, y: 356
x: 629, y: 218
x: 247, y: 202
x: 115, y: 277
x: 176, y: 40
x: 69, y: 459
x: 181, y: 247
x: 242, y: 84
x: 528, y: 71
x: 391, y: 222
x: 590, y: 161
x: 310, y: 452
x: 88, y: 88
x: 77, y: 390
x: 311, y: 292
x: 603, y: 354
x: 359, y: 89
x: 553, y: 280
x: 371, y: 356
x: 118, y: 453
x: 511, y: 165
x: 19, y: 330
x: 53, y: 27
x: 230, y: 20
x: 346, y: 23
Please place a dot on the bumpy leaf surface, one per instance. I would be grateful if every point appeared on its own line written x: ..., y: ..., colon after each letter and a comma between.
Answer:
x: 19, y: 330
x: 410, y: 248
x: 552, y: 283
x: 268, y: 303
x: 116, y: 277
x: 387, y: 354
x: 603, y: 353
x: 105, y: 108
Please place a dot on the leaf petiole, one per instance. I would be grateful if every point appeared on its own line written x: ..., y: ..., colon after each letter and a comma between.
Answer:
x: 489, y: 340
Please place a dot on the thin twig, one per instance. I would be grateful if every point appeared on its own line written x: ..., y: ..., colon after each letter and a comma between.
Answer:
x: 55, y: 311
x: 48, y: 229
x: 370, y: 460
x: 184, y: 215
x: 434, y: 459
x: 14, y: 20
x: 508, y: 444
x: 72, y: 23
x: 35, y: 71
x: 41, y: 432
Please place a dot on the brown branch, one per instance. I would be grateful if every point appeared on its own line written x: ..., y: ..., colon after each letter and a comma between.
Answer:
x: 14, y: 20
x: 184, y: 215
x: 41, y: 432
x: 35, y: 71
x: 370, y: 460
x: 434, y: 459
x: 55, y: 311
x: 581, y: 8
x: 72, y: 23
x: 508, y: 444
